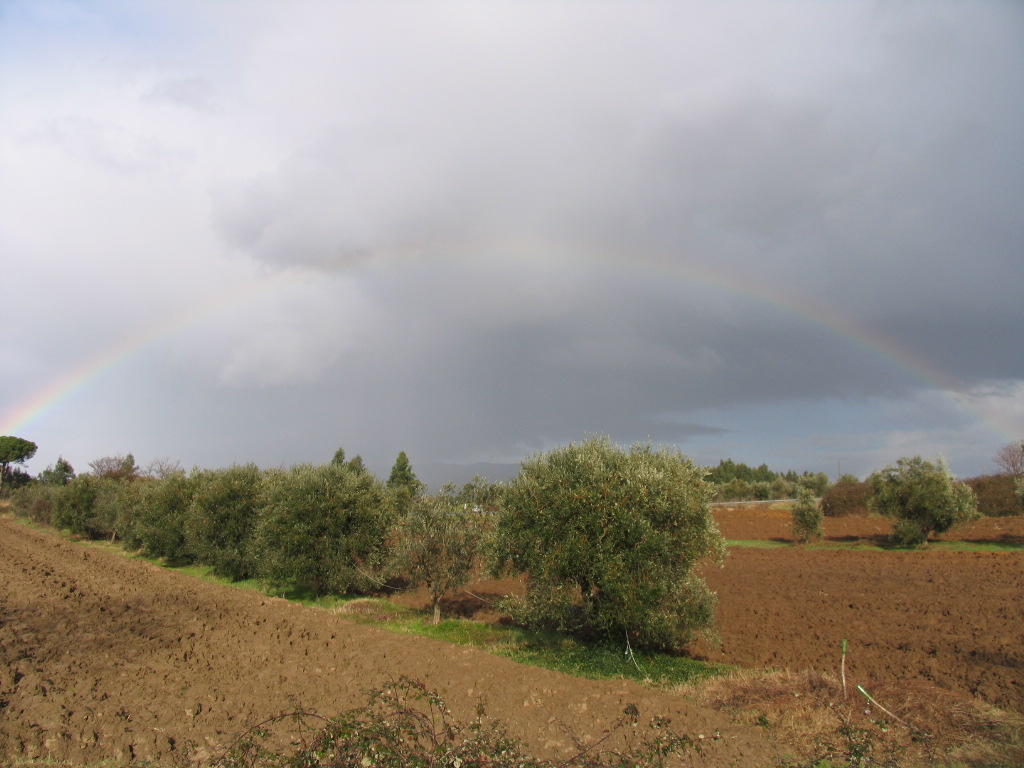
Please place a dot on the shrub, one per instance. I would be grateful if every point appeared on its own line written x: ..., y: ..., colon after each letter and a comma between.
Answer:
x: 847, y: 497
x: 608, y: 539
x: 435, y: 545
x: 997, y: 495
x: 923, y: 496
x: 806, y: 517
x: 321, y: 527
x: 35, y: 501
x: 406, y: 724
x: 222, y: 517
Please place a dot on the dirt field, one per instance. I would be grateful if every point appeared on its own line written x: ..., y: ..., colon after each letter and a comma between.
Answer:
x: 105, y: 657
x: 101, y: 656
x: 952, y: 618
x: 771, y: 522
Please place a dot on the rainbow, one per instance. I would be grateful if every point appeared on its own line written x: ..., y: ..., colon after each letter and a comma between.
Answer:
x: 805, y: 310
x: 81, y: 376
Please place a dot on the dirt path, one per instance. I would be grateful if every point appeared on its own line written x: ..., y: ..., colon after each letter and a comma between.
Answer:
x: 105, y: 657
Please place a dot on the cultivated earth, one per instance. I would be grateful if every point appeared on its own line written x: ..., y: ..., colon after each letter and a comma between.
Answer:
x: 105, y: 657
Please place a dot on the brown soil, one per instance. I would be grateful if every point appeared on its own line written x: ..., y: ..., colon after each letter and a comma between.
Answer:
x: 102, y: 657
x: 955, y: 619
x: 773, y: 522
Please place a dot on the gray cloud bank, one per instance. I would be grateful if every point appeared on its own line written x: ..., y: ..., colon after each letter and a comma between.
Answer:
x: 772, y: 231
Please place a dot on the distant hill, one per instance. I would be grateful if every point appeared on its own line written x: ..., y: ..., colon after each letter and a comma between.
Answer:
x: 436, y: 475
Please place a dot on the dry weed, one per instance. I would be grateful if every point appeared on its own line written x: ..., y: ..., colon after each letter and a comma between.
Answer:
x: 370, y: 609
x: 808, y: 718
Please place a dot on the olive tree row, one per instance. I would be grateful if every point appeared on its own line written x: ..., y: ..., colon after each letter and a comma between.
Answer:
x: 606, y: 538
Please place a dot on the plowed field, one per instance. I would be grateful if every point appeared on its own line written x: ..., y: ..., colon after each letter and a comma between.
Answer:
x: 106, y: 657
x: 955, y: 619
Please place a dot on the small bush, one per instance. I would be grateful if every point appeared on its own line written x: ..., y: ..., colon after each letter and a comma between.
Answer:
x: 997, y: 495
x: 807, y: 517
x: 406, y: 724
x: 847, y: 497
x: 34, y: 502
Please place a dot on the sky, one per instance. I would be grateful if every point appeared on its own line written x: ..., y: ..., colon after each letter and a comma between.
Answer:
x: 783, y: 232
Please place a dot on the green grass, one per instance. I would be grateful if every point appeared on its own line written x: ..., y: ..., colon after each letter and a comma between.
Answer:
x: 603, y: 661
x: 757, y: 543
x: 867, y: 545
x: 579, y: 658
x: 975, y: 546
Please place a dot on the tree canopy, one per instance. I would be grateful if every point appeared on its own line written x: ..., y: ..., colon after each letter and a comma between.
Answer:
x: 14, y: 450
x: 608, y: 539
x: 923, y: 497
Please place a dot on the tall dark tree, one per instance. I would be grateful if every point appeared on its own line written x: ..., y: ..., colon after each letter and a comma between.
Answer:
x: 356, y: 465
x: 14, y: 450
x: 402, y: 475
x: 403, y: 485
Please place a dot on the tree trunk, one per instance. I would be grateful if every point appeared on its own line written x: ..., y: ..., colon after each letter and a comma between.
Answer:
x: 437, y: 610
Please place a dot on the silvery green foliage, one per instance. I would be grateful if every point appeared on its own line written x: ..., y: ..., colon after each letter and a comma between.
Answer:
x: 608, y: 539
x: 807, y: 517
x: 923, y: 497
x: 435, y: 545
x: 222, y: 517
x: 320, y: 527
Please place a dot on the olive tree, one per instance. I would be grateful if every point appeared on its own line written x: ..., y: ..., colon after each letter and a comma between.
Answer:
x: 923, y: 497
x: 74, y: 505
x: 807, y: 516
x: 435, y: 545
x: 222, y: 517
x: 608, y: 539
x: 155, y: 523
x: 321, y: 527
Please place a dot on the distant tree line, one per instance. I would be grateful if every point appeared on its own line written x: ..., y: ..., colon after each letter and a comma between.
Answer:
x: 736, y: 481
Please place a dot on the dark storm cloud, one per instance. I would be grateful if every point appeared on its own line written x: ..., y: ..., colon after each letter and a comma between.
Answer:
x: 487, y: 228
